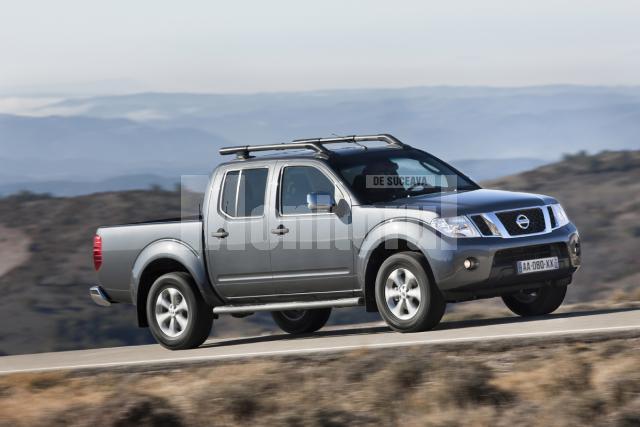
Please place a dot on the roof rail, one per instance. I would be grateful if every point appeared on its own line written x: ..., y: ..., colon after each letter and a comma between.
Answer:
x: 315, y: 144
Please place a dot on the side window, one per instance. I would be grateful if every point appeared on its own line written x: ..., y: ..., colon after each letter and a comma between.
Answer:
x: 229, y: 193
x: 297, y: 182
x: 253, y: 183
x: 243, y: 192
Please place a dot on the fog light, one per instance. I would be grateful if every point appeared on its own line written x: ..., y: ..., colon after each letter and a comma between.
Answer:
x: 470, y: 263
x: 575, y: 250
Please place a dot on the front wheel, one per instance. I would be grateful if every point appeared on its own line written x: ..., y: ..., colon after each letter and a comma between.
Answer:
x: 178, y: 316
x: 407, y: 300
x: 301, y: 321
x: 536, y: 302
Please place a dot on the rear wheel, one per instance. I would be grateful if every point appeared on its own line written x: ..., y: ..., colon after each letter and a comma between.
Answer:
x: 536, y: 302
x: 178, y: 316
x: 406, y: 298
x: 301, y: 321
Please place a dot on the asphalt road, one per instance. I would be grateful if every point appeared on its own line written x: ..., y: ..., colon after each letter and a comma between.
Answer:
x: 333, y: 340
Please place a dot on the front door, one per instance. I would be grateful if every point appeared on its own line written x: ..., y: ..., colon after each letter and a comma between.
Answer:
x: 312, y: 251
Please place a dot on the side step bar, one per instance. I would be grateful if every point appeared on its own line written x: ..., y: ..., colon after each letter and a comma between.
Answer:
x: 283, y: 306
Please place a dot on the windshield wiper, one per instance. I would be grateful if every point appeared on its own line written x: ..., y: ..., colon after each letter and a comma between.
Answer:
x: 426, y: 190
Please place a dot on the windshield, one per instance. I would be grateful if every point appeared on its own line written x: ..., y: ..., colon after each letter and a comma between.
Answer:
x: 387, y: 175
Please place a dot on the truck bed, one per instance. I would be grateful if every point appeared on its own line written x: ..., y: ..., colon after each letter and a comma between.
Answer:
x: 122, y: 244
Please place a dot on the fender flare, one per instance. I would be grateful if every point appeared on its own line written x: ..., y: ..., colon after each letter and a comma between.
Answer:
x: 177, y: 251
x: 416, y: 232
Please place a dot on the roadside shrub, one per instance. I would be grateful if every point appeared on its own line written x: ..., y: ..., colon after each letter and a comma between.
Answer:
x: 5, y: 390
x: 404, y: 373
x: 46, y: 381
x: 572, y: 375
x: 241, y: 402
x: 463, y: 384
x: 136, y: 410
x: 629, y: 416
x: 624, y: 385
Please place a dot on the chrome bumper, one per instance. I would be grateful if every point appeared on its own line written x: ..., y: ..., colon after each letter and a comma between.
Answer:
x: 99, y: 296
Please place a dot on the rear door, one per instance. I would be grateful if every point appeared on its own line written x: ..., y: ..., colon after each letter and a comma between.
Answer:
x: 237, y: 230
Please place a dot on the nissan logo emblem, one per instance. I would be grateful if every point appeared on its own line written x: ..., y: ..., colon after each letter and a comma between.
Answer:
x: 523, y: 222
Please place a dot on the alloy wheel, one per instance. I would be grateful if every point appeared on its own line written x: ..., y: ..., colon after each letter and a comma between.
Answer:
x: 402, y: 294
x: 172, y: 312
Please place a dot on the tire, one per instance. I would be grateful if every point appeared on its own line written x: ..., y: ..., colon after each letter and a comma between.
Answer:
x: 301, y: 321
x: 192, y: 318
x: 536, y: 302
x: 419, y: 306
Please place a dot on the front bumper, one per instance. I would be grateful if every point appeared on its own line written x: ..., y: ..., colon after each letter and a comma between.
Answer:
x: 495, y: 258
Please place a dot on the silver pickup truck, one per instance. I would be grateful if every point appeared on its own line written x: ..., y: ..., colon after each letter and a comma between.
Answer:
x: 337, y: 222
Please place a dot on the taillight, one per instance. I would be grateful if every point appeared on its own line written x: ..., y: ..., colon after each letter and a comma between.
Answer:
x: 97, y: 252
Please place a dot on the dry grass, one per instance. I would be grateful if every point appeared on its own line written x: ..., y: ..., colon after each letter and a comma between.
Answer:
x: 534, y: 383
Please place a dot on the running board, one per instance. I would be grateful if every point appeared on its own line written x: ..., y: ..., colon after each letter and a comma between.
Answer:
x: 284, y: 306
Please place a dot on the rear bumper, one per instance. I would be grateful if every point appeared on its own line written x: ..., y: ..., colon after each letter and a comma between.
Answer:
x: 494, y: 271
x: 99, y: 296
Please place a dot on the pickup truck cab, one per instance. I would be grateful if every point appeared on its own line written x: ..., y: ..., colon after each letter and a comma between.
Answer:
x: 388, y: 227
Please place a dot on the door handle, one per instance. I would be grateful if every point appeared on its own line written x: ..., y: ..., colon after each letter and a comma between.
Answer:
x: 220, y: 234
x: 280, y: 230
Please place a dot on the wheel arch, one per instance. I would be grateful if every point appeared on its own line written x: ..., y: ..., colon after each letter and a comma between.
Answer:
x: 162, y: 257
x: 386, y: 239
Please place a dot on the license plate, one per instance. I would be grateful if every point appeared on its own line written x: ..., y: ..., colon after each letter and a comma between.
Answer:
x: 537, y: 265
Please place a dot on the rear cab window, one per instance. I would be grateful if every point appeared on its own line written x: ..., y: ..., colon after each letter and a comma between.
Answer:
x: 243, y: 192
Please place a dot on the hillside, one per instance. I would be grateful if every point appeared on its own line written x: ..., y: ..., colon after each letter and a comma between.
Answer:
x: 45, y: 252
x: 479, y: 169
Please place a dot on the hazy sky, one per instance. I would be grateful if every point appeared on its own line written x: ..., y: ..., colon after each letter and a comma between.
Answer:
x: 242, y: 46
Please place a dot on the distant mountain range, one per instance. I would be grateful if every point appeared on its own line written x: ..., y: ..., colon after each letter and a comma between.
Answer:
x: 79, y: 141
x: 88, y: 148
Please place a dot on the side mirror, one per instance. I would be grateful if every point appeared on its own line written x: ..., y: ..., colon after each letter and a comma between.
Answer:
x: 320, y: 201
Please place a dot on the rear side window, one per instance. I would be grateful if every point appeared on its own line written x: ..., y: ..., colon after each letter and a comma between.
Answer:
x: 253, y: 183
x: 243, y: 192
x: 229, y: 193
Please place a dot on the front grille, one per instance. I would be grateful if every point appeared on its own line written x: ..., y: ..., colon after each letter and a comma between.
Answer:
x: 535, y: 216
x: 482, y: 225
x: 508, y: 257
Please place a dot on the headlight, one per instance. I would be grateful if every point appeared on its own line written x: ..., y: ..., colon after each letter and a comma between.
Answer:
x: 561, y: 216
x: 458, y: 226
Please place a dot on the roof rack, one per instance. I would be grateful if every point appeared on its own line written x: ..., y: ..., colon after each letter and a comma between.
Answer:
x: 315, y: 144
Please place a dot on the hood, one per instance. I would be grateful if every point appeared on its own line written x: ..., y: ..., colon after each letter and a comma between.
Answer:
x: 470, y: 202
